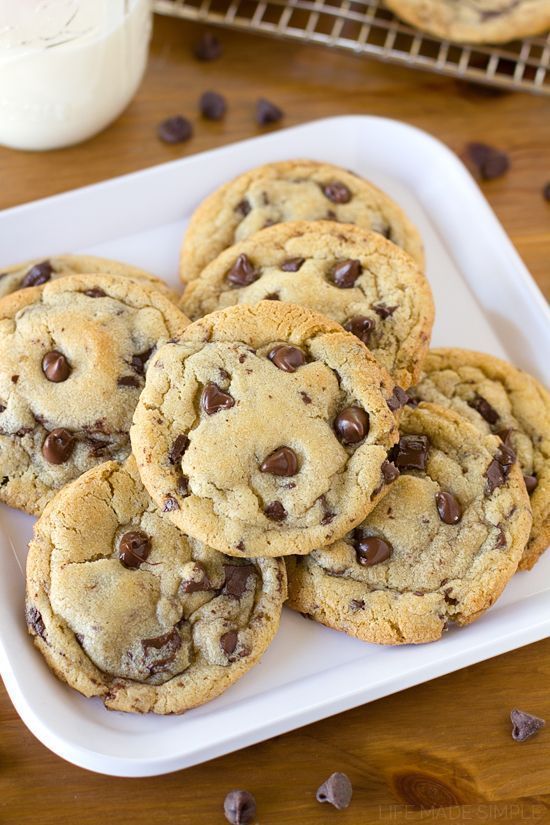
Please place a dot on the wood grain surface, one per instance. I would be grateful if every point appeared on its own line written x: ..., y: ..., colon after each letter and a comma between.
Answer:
x: 441, y: 751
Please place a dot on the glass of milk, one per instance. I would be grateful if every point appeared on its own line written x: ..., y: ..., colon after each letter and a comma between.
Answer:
x: 68, y: 67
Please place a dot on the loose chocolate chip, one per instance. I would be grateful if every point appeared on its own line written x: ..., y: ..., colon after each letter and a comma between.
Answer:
x: 236, y: 578
x: 140, y: 359
x: 134, y: 548
x: 242, y: 273
x: 371, y: 550
x: 243, y: 207
x: 208, y: 47
x: 239, y: 808
x: 35, y: 621
x: 212, y: 105
x: 411, y: 452
x: 524, y: 724
x: 179, y: 446
x: 95, y: 292
x: 483, y: 407
x: 228, y: 642
x: 337, y: 790
x: 275, y: 511
x: 292, y: 265
x: 448, y: 507
x: 489, y: 162
x: 175, y: 129
x: 546, y: 191
x: 267, y: 112
x: 345, y: 273
x: 530, y: 483
x: 281, y: 462
x: 383, y: 310
x: 213, y: 399
x: 58, y: 446
x: 398, y: 399
x: 337, y: 192
x: 55, y: 367
x: 129, y: 381
x: 170, y: 504
x: 352, y: 425
x: 37, y: 275
x: 389, y: 472
x: 360, y: 326
x: 287, y: 358
x: 169, y: 643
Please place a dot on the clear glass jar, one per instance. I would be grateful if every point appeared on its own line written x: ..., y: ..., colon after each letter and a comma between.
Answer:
x: 68, y: 67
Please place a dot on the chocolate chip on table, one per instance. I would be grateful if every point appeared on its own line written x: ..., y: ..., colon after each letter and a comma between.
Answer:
x: 175, y: 129
x: 281, y: 462
x: 236, y: 579
x: 287, y: 358
x: 239, y: 808
x: 383, y: 310
x: 397, y: 399
x: 360, y: 326
x: 489, y: 162
x: 292, y: 265
x: 485, y: 410
x: 242, y: 273
x: 337, y: 192
x: 37, y: 275
x: 55, y: 366
x: 134, y: 548
x: 524, y: 724
x: 546, y: 191
x: 371, y: 550
x: 411, y: 452
x: 448, y: 507
x: 228, y: 642
x: 345, y: 273
x: 213, y: 399
x: 178, y: 448
x: 58, y: 446
x: 530, y: 483
x: 337, y: 790
x: 351, y: 425
x: 208, y: 47
x: 267, y: 112
x: 212, y: 105
x: 275, y: 511
x: 95, y: 292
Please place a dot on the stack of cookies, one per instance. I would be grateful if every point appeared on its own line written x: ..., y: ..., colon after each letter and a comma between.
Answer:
x: 296, y: 428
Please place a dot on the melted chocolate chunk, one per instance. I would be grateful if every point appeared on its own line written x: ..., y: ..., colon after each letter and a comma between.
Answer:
x: 242, y: 273
x: 398, y: 399
x: 134, y: 548
x: 243, y: 207
x: 357, y: 604
x: 37, y: 275
x: 183, y: 486
x: 411, y: 452
x: 95, y: 292
x: 55, y: 367
x: 530, y: 483
x: 267, y: 112
x: 199, y: 584
x: 58, y: 446
x: 129, y: 381
x: 228, y: 642
x: 448, y: 507
x: 361, y: 327
x: 371, y: 550
x: 178, y: 448
x: 337, y: 192
x: 212, y: 105
x: 351, y: 425
x: 236, y: 578
x: 305, y: 398
x: 275, y: 511
x: 345, y: 273
x: 140, y: 359
x: 292, y: 265
x: 483, y: 407
x: 389, y: 472
x: 281, y: 462
x: 208, y: 47
x: 167, y: 645
x: 213, y: 399
x: 383, y: 310
x: 170, y: 504
x: 287, y: 358
x: 176, y: 129
x: 35, y: 621
x: 494, y: 475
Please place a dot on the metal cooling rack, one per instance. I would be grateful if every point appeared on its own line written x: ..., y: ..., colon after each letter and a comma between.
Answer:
x: 366, y: 27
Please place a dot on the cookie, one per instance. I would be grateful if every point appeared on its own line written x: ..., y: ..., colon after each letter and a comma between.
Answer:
x: 355, y: 277
x: 73, y: 354
x: 498, y: 398
x: 475, y: 21
x: 125, y: 607
x: 265, y: 430
x: 42, y: 270
x: 289, y: 191
x: 439, y: 547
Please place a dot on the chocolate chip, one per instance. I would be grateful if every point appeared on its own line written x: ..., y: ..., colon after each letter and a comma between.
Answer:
x: 351, y: 425
x: 506, y: 436
x: 14, y: 379
x: 357, y: 604
x: 175, y: 129
x: 483, y: 407
x: 524, y: 724
x: 389, y: 472
x: 55, y: 367
x: 183, y: 486
x: 411, y: 452
x: 236, y: 578
x: 242, y: 273
x: 361, y: 327
x: 494, y: 475
x: 292, y: 265
x: 337, y: 790
x: 243, y: 207
x: 178, y: 448
x: 2, y: 408
x: 38, y: 274
x: 140, y: 359
x: 501, y: 539
x: 267, y: 112
x: 281, y: 462
x: 213, y: 399
x: 371, y: 550
x: 345, y: 273
x: 169, y: 644
x: 95, y: 292
x: 287, y: 358
x: 489, y: 162
x: 208, y: 47
x: 35, y: 621
x: 398, y: 399
x: 305, y: 398
x: 272, y: 296
x: 170, y: 504
x: 239, y: 808
x: 546, y: 192
x: 530, y: 483
x: 212, y: 105
x: 129, y: 381
x: 58, y: 446
x: 275, y: 511
x: 337, y: 192
x: 134, y: 548
x: 448, y: 507
x: 228, y: 642
x: 199, y: 584
x: 383, y: 310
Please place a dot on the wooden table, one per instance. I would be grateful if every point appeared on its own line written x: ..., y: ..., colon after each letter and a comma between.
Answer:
x: 444, y: 743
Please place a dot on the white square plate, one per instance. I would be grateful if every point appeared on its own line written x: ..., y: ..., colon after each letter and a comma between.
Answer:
x: 485, y: 300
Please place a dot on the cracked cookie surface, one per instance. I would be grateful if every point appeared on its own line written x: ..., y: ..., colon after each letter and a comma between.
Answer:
x: 73, y: 355
x: 264, y: 431
x: 290, y: 191
x: 125, y: 607
x: 498, y: 398
x: 475, y: 21
x: 438, y: 548
x: 42, y: 270
x: 355, y: 277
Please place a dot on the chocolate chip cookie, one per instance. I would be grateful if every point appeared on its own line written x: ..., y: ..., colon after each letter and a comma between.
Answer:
x: 42, y: 270
x: 73, y: 354
x: 358, y: 278
x: 289, y: 191
x: 498, y: 398
x: 265, y: 430
x: 439, y: 547
x: 475, y: 21
x: 126, y: 607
